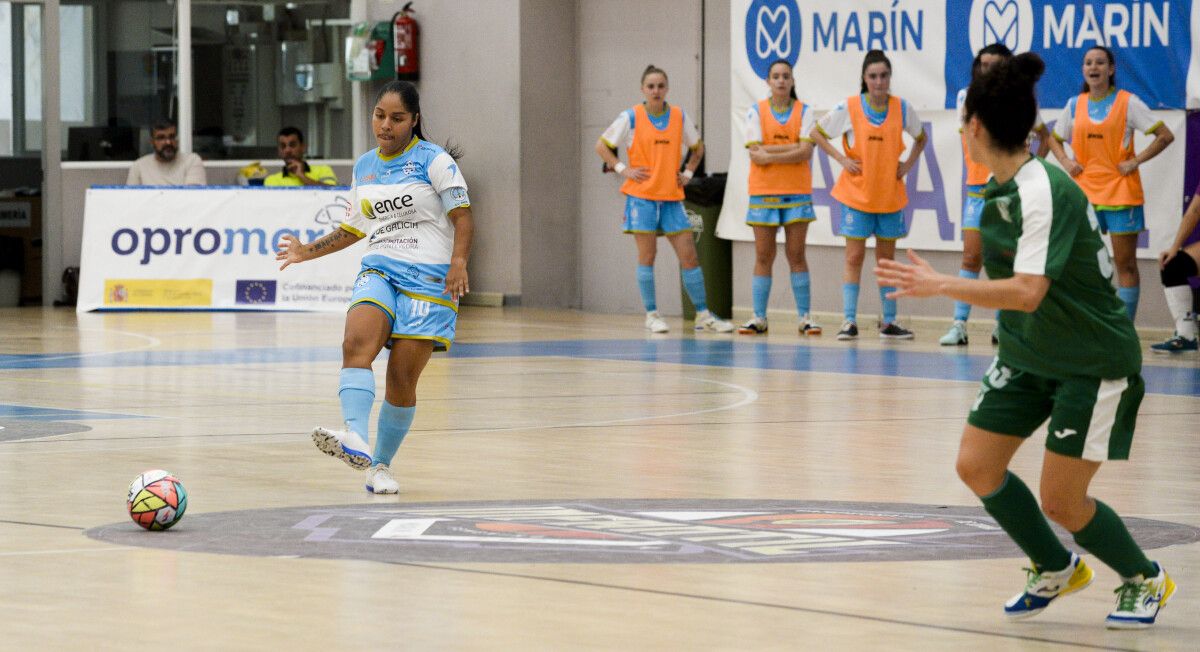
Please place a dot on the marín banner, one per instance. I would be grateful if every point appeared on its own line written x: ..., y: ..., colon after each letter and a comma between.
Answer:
x: 826, y: 43
x: 212, y: 248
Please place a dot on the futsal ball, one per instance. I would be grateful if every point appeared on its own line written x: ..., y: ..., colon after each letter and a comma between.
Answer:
x: 157, y: 500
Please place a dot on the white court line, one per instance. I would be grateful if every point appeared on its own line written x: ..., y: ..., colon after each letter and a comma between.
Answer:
x: 65, y: 551
x: 154, y: 342
x: 748, y: 396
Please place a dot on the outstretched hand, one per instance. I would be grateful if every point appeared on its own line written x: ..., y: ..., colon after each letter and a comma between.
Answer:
x: 918, y: 279
x: 290, y: 250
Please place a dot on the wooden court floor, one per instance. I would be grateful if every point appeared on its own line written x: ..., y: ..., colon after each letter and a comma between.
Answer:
x: 569, y: 483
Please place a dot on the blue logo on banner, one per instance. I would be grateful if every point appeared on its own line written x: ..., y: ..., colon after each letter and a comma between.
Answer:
x: 1152, y: 41
x: 772, y: 33
x: 255, y: 292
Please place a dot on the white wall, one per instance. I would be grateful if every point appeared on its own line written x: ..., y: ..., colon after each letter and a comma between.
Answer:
x: 550, y: 155
x: 470, y: 80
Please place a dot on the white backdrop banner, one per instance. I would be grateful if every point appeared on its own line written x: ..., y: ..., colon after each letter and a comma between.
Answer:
x: 210, y: 248
x: 765, y: 30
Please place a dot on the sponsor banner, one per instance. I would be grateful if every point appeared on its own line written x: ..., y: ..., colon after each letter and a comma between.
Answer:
x: 765, y: 30
x: 169, y: 293
x: 210, y: 248
x: 825, y: 42
x: 1152, y: 41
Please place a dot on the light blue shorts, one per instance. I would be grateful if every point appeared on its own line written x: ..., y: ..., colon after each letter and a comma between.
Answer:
x: 1126, y: 221
x: 972, y: 208
x: 779, y: 210
x: 860, y: 225
x: 659, y: 217
x: 414, y: 316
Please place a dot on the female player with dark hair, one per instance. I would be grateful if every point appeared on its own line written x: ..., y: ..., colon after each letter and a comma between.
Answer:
x: 871, y: 185
x: 780, y: 187
x: 976, y: 178
x: 1050, y: 276
x: 655, y: 134
x: 1099, y: 125
x: 410, y: 201
x: 1178, y: 264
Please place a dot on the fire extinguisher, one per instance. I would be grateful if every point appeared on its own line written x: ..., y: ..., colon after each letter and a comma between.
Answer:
x: 404, y: 32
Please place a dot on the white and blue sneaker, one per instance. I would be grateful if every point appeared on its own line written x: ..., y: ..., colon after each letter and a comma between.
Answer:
x: 1139, y: 601
x: 956, y: 336
x: 706, y: 321
x: 1041, y: 588
x: 381, y: 481
x: 345, y: 445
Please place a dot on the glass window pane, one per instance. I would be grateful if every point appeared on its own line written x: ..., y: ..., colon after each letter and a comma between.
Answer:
x: 33, y: 63
x: 259, y: 68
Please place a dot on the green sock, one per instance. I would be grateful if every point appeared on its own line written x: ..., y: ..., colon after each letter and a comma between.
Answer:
x: 1106, y: 537
x: 1016, y: 510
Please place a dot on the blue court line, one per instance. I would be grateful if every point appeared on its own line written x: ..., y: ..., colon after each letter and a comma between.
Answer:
x: 891, y: 361
x: 31, y: 413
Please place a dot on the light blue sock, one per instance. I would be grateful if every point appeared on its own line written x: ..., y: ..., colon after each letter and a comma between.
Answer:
x: 889, y: 305
x: 356, y: 390
x: 394, y: 422
x: 645, y: 277
x: 1130, y: 297
x: 693, y: 280
x: 850, y: 301
x: 802, y: 291
x: 962, y: 309
x: 760, y: 289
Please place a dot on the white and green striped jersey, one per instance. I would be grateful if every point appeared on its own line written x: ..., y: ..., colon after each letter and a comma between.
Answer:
x: 1040, y: 222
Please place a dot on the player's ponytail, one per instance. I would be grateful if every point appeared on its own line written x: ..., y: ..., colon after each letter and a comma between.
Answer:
x: 653, y: 70
x: 1003, y: 99
x: 411, y: 100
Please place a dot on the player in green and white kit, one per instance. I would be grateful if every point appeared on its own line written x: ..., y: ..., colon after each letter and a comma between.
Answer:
x: 1068, y: 353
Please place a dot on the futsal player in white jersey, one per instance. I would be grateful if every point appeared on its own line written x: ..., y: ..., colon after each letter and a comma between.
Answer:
x: 654, y: 134
x: 977, y: 176
x: 409, y: 200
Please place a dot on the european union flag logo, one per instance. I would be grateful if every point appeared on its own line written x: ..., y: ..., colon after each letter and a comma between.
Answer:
x: 255, y: 292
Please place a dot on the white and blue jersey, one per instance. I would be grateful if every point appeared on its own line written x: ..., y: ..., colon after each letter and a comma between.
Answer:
x: 400, y: 204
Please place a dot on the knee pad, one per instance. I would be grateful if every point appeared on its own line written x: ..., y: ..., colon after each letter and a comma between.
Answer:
x: 1178, y: 270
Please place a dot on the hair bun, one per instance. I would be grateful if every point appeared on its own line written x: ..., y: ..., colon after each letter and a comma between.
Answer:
x: 1028, y: 66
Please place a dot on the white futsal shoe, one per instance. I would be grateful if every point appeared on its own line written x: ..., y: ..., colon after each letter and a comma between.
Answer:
x: 345, y: 445
x: 655, y: 323
x: 381, y: 481
x: 706, y: 321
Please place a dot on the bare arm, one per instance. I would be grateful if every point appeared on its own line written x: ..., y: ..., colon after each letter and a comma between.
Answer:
x: 1162, y: 138
x: 1044, y: 138
x: 848, y: 164
x: 1023, y: 292
x: 790, y: 153
x: 1069, y: 164
x: 291, y: 251
x: 611, y: 161
x: 457, y: 283
x: 1191, y: 217
x: 913, y: 155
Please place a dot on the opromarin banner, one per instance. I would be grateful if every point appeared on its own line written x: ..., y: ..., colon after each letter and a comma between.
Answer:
x: 210, y: 248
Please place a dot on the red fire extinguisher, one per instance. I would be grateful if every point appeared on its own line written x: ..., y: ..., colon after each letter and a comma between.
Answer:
x: 404, y: 32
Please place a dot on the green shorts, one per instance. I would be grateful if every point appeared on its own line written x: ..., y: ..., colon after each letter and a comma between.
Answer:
x: 1090, y: 418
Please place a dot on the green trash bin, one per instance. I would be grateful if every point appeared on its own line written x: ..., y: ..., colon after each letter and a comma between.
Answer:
x: 702, y: 202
